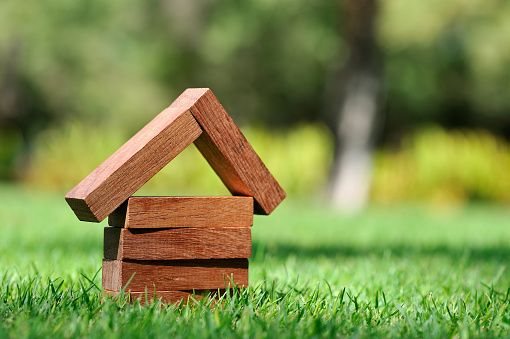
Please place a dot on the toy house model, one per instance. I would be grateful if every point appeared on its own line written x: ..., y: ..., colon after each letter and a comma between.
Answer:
x: 178, y: 246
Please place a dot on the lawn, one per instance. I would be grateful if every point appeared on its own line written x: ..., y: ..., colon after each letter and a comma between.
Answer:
x: 409, y: 271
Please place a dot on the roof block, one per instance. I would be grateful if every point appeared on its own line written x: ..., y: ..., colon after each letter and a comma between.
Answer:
x: 196, y: 116
x: 228, y: 152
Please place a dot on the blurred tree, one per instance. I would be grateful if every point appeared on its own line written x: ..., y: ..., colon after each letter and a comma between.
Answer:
x: 22, y: 113
x: 119, y: 62
x: 113, y: 60
x: 355, y: 108
x: 20, y: 103
x: 446, y: 63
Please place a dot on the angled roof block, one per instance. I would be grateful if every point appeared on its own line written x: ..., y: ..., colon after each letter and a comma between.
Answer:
x: 196, y: 116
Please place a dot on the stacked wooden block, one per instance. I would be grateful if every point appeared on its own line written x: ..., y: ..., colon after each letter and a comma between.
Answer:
x: 177, y: 246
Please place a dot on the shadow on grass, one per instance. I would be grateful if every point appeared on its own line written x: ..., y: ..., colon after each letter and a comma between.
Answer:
x: 496, y: 253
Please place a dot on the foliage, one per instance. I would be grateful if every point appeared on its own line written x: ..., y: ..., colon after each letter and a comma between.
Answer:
x: 117, y: 59
x: 402, y: 271
x: 268, y: 61
x: 446, y: 62
x: 299, y: 158
x: 10, y: 146
x: 444, y: 167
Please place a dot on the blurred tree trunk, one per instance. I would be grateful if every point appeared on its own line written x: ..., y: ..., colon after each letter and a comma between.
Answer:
x: 354, y: 104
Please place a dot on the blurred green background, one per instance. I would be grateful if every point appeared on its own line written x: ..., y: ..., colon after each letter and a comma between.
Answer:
x: 78, y: 78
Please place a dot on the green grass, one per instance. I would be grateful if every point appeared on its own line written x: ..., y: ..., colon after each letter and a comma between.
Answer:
x: 400, y: 271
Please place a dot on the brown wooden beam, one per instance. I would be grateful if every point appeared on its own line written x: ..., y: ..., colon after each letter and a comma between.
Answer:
x: 166, y: 212
x: 175, y: 275
x: 177, y: 243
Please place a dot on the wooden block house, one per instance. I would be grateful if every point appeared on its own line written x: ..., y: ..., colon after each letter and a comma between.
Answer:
x: 178, y: 246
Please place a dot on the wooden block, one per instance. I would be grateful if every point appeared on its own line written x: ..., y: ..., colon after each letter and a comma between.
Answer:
x: 228, y: 152
x: 132, y: 165
x: 163, y: 212
x: 222, y: 144
x: 177, y: 243
x: 175, y: 275
x: 168, y: 297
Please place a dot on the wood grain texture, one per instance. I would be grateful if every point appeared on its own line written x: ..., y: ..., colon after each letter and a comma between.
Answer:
x: 177, y: 243
x: 228, y: 152
x: 175, y: 275
x: 222, y: 144
x: 165, y: 212
x: 132, y: 165
x: 168, y: 297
